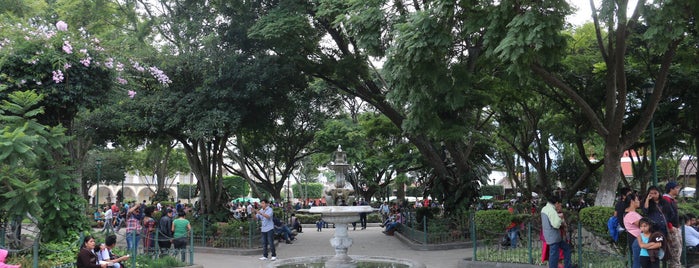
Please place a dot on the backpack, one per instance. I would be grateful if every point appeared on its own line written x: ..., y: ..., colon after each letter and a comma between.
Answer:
x: 612, y: 224
x: 505, y: 241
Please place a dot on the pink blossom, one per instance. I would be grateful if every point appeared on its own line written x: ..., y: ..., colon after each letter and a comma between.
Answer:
x: 109, y: 63
x: 138, y: 67
x: 62, y: 26
x: 86, y: 61
x: 122, y: 81
x: 132, y: 94
x: 67, y: 66
x: 67, y: 47
x: 160, y: 75
x: 84, y: 51
x: 57, y: 76
x: 119, y: 67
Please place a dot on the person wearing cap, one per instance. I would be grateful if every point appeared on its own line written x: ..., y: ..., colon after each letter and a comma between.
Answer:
x: 674, y: 236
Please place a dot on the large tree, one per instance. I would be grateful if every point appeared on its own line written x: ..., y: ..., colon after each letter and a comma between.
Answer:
x: 432, y: 86
x: 267, y: 154
x: 538, y: 49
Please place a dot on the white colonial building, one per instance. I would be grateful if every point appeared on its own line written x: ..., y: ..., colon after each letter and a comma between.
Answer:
x: 140, y: 187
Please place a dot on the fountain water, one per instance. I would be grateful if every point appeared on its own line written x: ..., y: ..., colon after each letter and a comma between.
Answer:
x: 341, y: 216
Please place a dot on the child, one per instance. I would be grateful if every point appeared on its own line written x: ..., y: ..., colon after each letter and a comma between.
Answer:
x: 651, y: 244
x: 319, y: 225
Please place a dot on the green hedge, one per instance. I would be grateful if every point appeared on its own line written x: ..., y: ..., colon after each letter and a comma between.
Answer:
x: 594, y: 220
x: 492, y: 222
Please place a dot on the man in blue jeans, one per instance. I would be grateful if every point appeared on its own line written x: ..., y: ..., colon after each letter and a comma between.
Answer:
x: 266, y: 215
x: 551, y: 224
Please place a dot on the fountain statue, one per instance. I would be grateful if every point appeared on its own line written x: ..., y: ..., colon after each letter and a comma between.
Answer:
x: 339, y: 166
x: 341, y: 216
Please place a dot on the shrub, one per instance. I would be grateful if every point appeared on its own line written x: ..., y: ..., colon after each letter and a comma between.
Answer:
x: 686, y: 208
x: 492, y: 222
x: 594, y: 220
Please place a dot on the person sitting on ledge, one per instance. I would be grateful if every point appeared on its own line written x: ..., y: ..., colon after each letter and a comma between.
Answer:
x: 281, y: 229
x: 397, y: 220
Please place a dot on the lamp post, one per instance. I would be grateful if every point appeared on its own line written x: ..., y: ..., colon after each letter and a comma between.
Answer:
x: 99, y: 175
x: 648, y: 88
x: 288, y: 198
x: 177, y: 192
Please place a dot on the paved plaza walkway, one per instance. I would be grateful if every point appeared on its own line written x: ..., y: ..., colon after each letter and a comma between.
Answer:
x: 369, y: 242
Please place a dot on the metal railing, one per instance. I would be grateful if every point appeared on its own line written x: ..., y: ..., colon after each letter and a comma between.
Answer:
x: 153, y: 253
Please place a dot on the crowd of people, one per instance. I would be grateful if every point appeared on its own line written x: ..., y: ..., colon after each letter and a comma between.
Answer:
x: 140, y: 226
x: 657, y: 229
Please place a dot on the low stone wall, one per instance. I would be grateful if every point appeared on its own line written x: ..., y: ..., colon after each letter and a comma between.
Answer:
x: 468, y: 263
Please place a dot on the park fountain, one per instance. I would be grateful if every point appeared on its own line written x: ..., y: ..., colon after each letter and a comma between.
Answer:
x: 341, y: 216
x: 340, y: 193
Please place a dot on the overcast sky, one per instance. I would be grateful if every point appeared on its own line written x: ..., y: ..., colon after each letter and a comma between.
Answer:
x: 584, y: 13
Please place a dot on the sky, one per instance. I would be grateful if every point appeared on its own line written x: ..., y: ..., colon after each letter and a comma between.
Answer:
x: 584, y: 13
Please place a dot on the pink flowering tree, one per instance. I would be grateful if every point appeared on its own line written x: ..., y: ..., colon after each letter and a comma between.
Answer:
x: 70, y: 68
x: 73, y: 75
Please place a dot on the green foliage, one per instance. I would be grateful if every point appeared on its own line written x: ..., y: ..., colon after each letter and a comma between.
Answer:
x: 184, y: 191
x: 594, y: 220
x: 490, y: 223
x: 686, y: 208
x: 236, y: 186
x: 492, y: 190
x: 426, y: 212
x: 313, y: 190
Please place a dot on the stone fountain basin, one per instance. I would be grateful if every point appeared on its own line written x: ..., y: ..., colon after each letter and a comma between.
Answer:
x: 340, y: 210
x: 360, y: 261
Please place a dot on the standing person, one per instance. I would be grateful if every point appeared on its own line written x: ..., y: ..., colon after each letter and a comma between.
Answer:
x: 384, y: 210
x: 149, y: 230
x: 650, y: 245
x: 621, y: 204
x: 633, y: 227
x: 133, y: 228
x: 248, y: 209
x: 165, y: 231
x: 179, y: 207
x: 362, y: 216
x: 672, y: 215
x: 180, y: 228
x: 551, y: 224
x: 354, y: 223
x: 266, y: 214
x: 108, y: 220
x: 87, y: 257
x: 654, y: 207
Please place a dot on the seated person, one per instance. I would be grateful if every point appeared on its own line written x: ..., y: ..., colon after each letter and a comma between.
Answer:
x: 98, y: 218
x: 105, y: 252
x: 391, y: 227
x: 691, y: 235
x: 295, y: 223
x: 282, y: 229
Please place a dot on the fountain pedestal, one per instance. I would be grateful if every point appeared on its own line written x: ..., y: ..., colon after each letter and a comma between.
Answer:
x: 341, y: 242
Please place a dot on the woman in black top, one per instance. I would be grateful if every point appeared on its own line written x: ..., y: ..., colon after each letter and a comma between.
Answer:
x: 87, y: 257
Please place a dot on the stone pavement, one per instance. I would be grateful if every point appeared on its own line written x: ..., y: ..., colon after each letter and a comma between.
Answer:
x: 369, y: 242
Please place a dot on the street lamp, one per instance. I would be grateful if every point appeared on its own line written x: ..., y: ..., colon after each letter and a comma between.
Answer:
x: 648, y: 89
x: 288, y: 198
x: 99, y: 175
